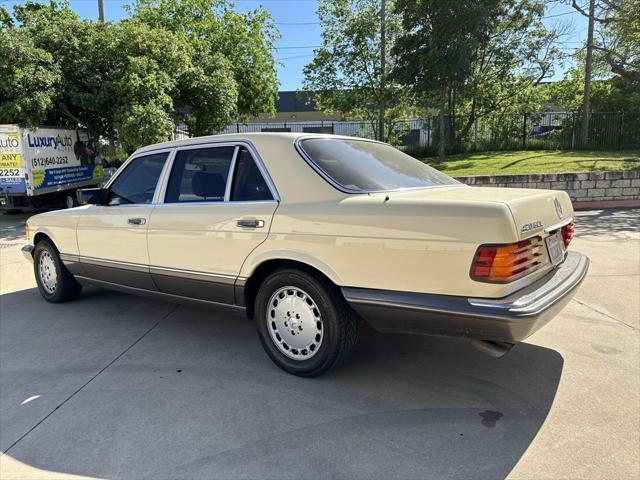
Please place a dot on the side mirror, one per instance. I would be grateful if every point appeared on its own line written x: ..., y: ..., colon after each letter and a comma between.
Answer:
x: 91, y: 196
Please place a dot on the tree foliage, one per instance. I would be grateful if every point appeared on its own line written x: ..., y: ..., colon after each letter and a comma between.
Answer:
x: 438, y: 46
x: 517, y: 53
x: 232, y: 68
x: 346, y: 74
x: 618, y: 35
x: 28, y: 77
x: 170, y: 61
x: 614, y: 94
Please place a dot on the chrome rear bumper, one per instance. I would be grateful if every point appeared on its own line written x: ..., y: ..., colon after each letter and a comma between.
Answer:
x: 509, y: 319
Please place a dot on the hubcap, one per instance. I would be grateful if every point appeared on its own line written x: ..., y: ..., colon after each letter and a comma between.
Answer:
x: 294, y: 323
x: 47, y: 270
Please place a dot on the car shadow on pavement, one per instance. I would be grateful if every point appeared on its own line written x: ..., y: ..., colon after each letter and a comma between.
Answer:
x: 132, y: 388
x: 609, y: 222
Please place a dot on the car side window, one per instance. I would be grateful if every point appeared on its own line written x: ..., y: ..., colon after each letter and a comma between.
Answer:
x: 199, y: 175
x: 248, y: 182
x: 137, y: 183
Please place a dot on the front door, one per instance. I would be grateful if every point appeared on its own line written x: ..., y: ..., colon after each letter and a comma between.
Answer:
x: 112, y: 238
x: 217, y: 208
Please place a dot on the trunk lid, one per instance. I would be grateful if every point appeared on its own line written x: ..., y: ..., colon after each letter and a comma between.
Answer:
x: 533, y: 211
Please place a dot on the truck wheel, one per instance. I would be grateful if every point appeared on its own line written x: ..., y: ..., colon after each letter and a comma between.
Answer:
x: 69, y: 202
x: 54, y: 281
x: 304, y: 324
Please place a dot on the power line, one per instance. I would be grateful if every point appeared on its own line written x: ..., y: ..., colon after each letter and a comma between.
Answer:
x: 558, y: 15
x: 297, y: 23
x: 296, y: 48
x: 295, y: 56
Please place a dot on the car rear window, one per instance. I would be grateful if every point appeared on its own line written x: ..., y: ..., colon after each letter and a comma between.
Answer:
x: 364, y: 166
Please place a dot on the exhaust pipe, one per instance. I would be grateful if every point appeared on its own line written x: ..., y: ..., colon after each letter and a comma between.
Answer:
x: 494, y: 349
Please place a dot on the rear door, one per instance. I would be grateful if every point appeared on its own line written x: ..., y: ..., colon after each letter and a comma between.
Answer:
x: 217, y: 208
x: 112, y: 238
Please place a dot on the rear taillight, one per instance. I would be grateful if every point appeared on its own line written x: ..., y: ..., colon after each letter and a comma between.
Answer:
x: 505, y: 263
x: 567, y: 233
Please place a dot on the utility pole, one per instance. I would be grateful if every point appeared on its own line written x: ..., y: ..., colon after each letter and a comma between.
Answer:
x: 584, y: 126
x: 101, y: 10
x: 382, y: 72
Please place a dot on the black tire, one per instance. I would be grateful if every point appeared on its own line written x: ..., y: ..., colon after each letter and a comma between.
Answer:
x: 339, y: 322
x: 69, y: 201
x: 66, y: 287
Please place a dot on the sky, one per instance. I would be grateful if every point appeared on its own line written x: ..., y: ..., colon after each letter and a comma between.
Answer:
x: 300, y: 31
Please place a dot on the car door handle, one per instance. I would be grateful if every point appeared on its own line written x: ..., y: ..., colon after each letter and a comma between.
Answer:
x: 251, y: 223
x: 137, y: 221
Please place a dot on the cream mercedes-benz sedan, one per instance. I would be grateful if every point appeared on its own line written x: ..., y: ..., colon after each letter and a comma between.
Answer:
x: 309, y: 234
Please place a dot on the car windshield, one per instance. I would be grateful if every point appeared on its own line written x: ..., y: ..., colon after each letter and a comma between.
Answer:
x: 364, y: 166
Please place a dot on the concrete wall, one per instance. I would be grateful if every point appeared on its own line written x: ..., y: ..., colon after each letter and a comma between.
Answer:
x: 581, y: 187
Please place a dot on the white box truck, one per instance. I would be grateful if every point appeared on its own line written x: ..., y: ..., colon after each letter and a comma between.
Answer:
x: 44, y: 166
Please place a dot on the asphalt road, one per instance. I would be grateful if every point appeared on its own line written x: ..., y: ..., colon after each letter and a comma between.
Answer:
x: 116, y: 386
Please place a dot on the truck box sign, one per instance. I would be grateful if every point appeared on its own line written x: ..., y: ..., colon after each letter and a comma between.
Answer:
x: 60, y: 157
x: 11, y: 164
x: 46, y: 159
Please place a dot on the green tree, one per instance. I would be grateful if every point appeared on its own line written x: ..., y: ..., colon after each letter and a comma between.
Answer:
x: 117, y: 80
x: 437, y: 48
x: 233, y: 70
x: 516, y: 53
x: 144, y: 82
x: 346, y: 73
x: 613, y: 94
x: 29, y: 76
x: 131, y: 81
x: 617, y: 38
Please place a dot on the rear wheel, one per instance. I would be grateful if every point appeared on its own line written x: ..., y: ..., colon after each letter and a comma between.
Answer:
x: 303, y: 322
x: 54, y: 281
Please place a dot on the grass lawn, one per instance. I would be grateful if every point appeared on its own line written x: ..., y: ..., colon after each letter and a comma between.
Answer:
x: 535, y: 161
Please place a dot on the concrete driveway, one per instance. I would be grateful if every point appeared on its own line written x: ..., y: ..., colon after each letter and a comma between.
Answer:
x: 116, y: 386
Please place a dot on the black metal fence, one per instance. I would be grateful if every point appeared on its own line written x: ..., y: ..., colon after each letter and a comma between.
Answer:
x: 551, y: 130
x: 532, y: 130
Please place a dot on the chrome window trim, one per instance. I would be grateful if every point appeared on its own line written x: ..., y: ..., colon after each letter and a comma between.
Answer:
x: 162, y: 198
x: 170, y: 153
x: 131, y: 159
x: 232, y: 172
x: 181, y: 204
x: 558, y: 225
x: 344, y: 189
x: 164, y: 177
x: 263, y: 170
x: 224, y: 143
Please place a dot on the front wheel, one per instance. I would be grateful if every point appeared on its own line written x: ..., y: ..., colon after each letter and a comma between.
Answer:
x: 54, y: 281
x: 304, y: 323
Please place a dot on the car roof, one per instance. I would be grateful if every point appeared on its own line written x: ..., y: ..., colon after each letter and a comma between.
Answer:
x: 256, y: 138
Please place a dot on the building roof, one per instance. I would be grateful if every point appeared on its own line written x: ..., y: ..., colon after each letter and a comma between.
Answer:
x: 293, y: 101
